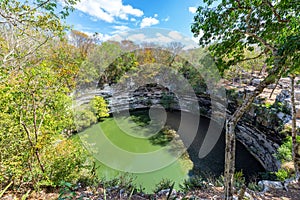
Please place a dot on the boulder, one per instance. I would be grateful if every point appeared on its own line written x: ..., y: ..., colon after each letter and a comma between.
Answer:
x: 256, y: 81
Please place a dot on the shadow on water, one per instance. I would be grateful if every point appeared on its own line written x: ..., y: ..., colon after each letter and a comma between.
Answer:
x: 213, y: 163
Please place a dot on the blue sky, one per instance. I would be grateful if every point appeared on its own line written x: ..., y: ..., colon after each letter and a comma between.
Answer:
x: 110, y: 17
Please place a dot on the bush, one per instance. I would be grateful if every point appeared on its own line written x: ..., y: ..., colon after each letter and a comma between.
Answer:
x: 163, y: 137
x: 254, y: 186
x: 163, y: 184
x: 239, y: 179
x: 282, y: 174
x: 84, y: 118
x: 219, y: 182
x: 168, y: 101
x: 285, y: 150
x: 63, y: 162
x: 193, y: 183
x: 99, y: 107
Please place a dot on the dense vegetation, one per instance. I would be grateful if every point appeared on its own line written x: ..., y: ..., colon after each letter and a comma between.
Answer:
x: 41, y: 67
x: 233, y: 27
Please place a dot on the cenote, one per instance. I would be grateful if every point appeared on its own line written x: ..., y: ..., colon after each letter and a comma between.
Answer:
x: 181, y: 167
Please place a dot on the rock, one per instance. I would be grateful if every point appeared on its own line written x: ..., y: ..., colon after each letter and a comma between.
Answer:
x: 284, y: 117
x: 298, y: 111
x: 267, y: 185
x: 272, y: 86
x: 256, y: 81
x: 281, y: 115
x: 166, y: 192
x: 297, y: 95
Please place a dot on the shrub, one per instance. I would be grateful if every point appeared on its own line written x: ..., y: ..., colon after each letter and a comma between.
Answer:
x: 65, y: 159
x: 282, y: 174
x: 193, y: 183
x: 163, y: 137
x: 219, y: 182
x: 163, y: 184
x: 239, y: 179
x: 84, y: 118
x: 285, y: 150
x: 254, y: 186
x: 168, y: 100
x: 99, y: 107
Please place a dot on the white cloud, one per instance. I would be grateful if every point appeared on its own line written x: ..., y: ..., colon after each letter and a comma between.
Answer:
x: 148, y: 21
x: 192, y: 10
x: 166, y: 19
x: 160, y: 39
x: 175, y: 35
x: 104, y: 37
x: 93, y: 19
x: 121, y: 28
x: 139, y: 37
x: 108, y: 10
x: 163, y: 38
x: 133, y: 19
x: 128, y: 9
x: 155, y: 15
x: 117, y: 38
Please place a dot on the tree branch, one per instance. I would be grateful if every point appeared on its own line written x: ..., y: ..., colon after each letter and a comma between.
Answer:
x: 250, y: 98
x: 265, y: 43
x: 275, y: 12
x: 252, y: 58
x: 36, y: 151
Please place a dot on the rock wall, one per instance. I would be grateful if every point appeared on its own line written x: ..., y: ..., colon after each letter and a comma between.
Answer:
x: 258, y: 130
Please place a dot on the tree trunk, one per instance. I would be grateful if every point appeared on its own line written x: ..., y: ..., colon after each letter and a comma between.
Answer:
x: 229, y: 159
x: 294, y: 128
x: 231, y: 123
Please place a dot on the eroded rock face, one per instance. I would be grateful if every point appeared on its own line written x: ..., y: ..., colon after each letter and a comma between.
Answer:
x: 258, y: 144
x: 257, y: 130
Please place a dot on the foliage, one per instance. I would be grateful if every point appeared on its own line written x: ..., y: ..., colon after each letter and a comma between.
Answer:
x: 231, y: 27
x: 282, y: 174
x: 163, y: 137
x: 37, y: 72
x: 69, y: 160
x: 98, y: 59
x: 148, y: 63
x: 99, y: 107
x: 239, y: 179
x: 118, y: 68
x: 254, y: 186
x: 82, y: 41
x: 163, y: 185
x: 35, y: 111
x: 240, y: 21
x: 219, y: 181
x: 285, y: 150
x: 194, y: 183
x: 123, y: 182
x: 168, y: 100
x: 84, y: 118
x: 66, y: 191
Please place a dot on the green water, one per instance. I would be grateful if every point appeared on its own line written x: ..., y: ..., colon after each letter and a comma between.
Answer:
x: 100, y: 138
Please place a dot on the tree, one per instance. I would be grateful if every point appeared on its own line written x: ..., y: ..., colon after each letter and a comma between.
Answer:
x: 21, y: 24
x: 230, y: 28
x: 94, y: 66
x: 37, y: 73
x: 82, y: 41
x: 99, y: 107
